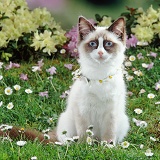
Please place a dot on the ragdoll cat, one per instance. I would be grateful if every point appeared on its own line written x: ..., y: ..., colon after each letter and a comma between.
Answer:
x: 98, y: 96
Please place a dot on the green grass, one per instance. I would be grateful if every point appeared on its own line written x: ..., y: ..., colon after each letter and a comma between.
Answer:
x: 33, y: 111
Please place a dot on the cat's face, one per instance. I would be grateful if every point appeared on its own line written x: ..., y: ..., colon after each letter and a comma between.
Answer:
x: 100, y: 43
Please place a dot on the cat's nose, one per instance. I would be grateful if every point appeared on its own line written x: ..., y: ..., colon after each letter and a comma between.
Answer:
x: 100, y: 53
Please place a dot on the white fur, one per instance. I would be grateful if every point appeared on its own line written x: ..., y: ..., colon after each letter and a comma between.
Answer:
x: 99, y: 104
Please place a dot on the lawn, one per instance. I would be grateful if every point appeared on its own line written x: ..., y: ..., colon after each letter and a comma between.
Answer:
x: 40, y: 105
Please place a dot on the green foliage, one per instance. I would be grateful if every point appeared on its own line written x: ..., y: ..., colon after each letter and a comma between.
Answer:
x: 26, y: 34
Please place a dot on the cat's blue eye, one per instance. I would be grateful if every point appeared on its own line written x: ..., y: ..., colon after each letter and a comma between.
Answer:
x: 108, y: 44
x: 93, y: 44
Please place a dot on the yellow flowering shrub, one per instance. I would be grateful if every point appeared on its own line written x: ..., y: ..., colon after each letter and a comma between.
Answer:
x: 25, y: 33
x: 143, y: 25
x: 106, y: 21
x: 147, y: 24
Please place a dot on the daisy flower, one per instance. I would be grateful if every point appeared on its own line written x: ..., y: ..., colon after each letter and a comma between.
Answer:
x: 1, y: 103
x: 10, y: 105
x: 17, y: 87
x: 1, y: 77
x: 5, y: 127
x: 153, y: 139
x: 75, y: 138
x: 125, y: 144
x: 28, y: 91
x: 62, y: 51
x: 58, y: 143
x: 144, y: 65
x: 89, y: 132
x: 142, y: 91
x: 36, y: 68
x: 138, y: 73
x: 150, y: 95
x: 141, y: 146
x: 140, y: 123
x: 129, y: 78
x: 138, y: 111
x: 46, y: 136
x: 89, y: 140
x: 21, y: 143
x: 132, y: 58
x: 149, y: 153
x: 8, y: 91
x: 34, y: 158
x: 50, y: 120
x: 1, y: 64
x: 128, y: 64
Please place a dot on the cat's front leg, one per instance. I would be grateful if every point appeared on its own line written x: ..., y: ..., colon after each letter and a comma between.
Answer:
x: 109, y: 128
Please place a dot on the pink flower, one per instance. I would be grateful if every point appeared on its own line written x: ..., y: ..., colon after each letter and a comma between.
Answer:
x: 73, y: 36
x: 12, y: 65
x: 157, y: 85
x: 43, y: 94
x: 129, y: 93
x: 140, y: 56
x: 51, y: 70
x: 40, y: 63
x: 65, y: 94
x: 150, y: 66
x: 72, y: 45
x: 153, y: 54
x: 131, y: 42
x: 69, y: 66
x: 24, y: 77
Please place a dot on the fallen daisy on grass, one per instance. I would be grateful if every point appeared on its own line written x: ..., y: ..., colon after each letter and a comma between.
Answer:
x: 149, y: 153
x: 125, y: 144
x: 21, y: 143
x: 138, y: 111
x: 10, y: 105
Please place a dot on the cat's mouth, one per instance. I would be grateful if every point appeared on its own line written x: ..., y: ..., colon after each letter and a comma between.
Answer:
x: 102, y: 59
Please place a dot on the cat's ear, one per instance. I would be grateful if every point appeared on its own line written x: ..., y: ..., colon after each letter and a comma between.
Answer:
x: 118, y: 27
x: 84, y: 27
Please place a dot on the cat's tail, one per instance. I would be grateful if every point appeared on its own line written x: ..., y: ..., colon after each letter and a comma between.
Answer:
x: 27, y: 134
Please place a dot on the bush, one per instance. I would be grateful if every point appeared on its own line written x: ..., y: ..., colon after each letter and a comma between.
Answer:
x: 27, y: 34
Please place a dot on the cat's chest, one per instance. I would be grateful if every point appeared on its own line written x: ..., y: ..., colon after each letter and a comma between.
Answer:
x: 100, y: 89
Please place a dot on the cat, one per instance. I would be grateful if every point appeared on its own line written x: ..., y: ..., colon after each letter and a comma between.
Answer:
x: 98, y: 96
